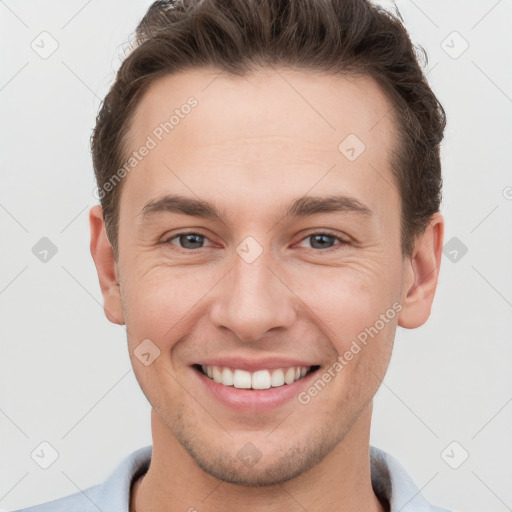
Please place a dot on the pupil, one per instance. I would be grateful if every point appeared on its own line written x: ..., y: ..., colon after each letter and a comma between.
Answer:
x: 190, y: 237
x: 322, y: 245
x: 321, y: 240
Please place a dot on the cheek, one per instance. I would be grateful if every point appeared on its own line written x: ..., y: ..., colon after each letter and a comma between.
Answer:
x: 346, y: 300
x: 159, y: 303
x: 348, y: 310
x: 163, y: 302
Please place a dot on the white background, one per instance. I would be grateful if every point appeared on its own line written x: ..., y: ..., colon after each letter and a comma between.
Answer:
x: 65, y: 373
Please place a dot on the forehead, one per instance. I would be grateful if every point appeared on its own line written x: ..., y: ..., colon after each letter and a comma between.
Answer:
x: 279, y: 128
x: 268, y: 102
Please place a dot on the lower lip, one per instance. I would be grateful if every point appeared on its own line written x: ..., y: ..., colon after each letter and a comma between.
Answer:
x: 254, y: 401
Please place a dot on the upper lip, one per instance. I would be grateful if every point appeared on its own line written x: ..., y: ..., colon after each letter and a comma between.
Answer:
x: 252, y: 365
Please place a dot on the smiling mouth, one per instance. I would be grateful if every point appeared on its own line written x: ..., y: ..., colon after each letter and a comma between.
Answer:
x: 258, y: 380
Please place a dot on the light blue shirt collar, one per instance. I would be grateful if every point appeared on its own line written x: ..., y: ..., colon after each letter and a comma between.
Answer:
x: 389, y: 479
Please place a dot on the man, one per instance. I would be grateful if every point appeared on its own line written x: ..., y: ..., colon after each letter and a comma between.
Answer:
x: 270, y: 182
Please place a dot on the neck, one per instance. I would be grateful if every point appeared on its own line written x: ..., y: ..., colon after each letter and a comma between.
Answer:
x: 341, y: 481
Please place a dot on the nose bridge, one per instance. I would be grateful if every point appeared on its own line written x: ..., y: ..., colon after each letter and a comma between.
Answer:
x: 253, y: 299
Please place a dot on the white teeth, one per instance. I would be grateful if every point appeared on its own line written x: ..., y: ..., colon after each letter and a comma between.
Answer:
x: 277, y: 378
x: 261, y: 379
x: 217, y: 377
x: 242, y: 379
x: 289, y: 376
x: 227, y: 377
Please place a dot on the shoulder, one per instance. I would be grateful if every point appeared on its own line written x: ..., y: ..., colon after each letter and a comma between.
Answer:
x: 391, y: 481
x: 112, y: 494
x: 81, y: 501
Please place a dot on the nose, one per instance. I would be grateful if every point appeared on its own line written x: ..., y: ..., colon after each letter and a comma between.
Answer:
x: 254, y: 299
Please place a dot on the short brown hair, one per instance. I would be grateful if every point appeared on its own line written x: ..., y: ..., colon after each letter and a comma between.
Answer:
x: 346, y: 37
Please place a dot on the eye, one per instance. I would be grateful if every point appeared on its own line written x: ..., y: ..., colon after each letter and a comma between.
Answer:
x: 192, y: 241
x: 322, y: 240
x: 188, y: 240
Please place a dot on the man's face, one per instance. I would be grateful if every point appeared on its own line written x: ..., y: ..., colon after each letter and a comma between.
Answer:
x: 259, y: 288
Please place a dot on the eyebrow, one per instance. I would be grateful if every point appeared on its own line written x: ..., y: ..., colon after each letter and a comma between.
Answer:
x: 302, y: 207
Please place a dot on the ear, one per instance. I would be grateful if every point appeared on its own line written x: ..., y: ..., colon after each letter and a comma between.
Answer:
x: 420, y: 275
x: 106, y: 267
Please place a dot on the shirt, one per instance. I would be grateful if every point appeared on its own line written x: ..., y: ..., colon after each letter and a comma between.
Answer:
x: 389, y: 481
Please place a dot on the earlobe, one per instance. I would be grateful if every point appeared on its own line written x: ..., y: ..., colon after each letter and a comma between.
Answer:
x: 421, y: 274
x: 106, y: 267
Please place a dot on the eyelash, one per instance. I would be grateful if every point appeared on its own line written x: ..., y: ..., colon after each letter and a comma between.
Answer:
x: 314, y: 233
